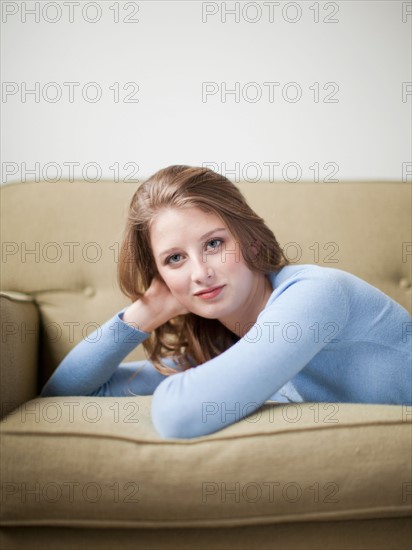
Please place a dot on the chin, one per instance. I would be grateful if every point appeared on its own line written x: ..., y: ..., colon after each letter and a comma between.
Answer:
x: 205, y: 315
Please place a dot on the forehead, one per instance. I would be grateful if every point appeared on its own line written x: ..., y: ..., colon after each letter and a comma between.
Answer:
x: 175, y: 226
x: 170, y: 220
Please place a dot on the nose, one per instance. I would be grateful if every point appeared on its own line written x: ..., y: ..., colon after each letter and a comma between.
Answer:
x: 201, y: 271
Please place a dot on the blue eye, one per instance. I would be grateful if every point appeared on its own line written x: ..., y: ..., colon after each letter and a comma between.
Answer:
x: 220, y: 241
x: 170, y: 257
x: 215, y: 240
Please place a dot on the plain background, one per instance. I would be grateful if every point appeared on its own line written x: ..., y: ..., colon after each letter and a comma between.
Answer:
x: 355, y: 53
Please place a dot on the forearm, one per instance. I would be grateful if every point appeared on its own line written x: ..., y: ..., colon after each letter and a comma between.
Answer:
x: 94, y: 360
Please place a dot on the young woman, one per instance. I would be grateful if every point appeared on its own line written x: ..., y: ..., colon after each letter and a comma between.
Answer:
x: 227, y: 323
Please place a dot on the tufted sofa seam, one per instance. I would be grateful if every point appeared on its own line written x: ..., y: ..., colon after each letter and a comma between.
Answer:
x: 204, y: 438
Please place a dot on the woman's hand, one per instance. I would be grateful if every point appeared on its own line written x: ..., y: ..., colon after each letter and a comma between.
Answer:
x: 159, y: 295
x: 154, y: 308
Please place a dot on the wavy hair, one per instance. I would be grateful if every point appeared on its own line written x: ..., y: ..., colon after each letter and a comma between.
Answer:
x: 190, y: 339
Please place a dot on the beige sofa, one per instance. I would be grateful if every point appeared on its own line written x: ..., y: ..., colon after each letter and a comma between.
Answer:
x: 91, y: 472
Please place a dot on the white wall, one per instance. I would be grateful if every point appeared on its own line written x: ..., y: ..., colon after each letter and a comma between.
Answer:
x: 173, y: 49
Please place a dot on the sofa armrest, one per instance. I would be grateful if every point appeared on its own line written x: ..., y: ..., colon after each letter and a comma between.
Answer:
x: 18, y: 350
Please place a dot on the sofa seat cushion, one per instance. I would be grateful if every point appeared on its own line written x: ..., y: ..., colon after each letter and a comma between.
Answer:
x: 98, y: 462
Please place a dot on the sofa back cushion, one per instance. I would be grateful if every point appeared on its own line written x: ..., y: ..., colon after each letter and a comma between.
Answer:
x: 61, y: 244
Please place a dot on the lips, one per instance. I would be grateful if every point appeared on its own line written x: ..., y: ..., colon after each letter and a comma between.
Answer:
x: 207, y: 290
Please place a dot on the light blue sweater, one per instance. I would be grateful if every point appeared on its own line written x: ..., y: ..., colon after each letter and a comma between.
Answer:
x: 324, y: 335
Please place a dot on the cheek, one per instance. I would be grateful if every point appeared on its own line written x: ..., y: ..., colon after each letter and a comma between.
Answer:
x: 232, y: 262
x: 237, y: 269
x: 173, y: 280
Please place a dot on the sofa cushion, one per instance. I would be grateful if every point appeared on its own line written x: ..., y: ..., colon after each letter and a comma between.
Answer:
x: 98, y: 462
x: 66, y: 258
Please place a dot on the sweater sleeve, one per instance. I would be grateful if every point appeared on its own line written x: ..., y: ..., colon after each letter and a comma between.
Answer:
x: 234, y: 384
x: 93, y: 366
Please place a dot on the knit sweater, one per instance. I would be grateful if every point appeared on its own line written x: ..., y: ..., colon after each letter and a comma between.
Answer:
x: 324, y: 335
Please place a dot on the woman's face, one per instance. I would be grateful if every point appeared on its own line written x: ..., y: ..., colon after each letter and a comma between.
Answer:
x: 195, y: 250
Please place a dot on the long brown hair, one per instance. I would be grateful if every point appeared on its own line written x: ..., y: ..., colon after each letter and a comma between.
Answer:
x: 190, y: 338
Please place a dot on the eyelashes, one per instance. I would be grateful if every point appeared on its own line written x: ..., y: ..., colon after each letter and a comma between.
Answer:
x: 221, y: 241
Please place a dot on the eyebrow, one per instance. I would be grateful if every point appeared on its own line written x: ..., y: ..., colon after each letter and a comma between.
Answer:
x: 201, y: 239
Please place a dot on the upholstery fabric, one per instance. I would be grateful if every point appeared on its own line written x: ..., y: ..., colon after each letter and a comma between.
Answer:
x: 18, y: 350
x: 378, y: 534
x: 293, y: 462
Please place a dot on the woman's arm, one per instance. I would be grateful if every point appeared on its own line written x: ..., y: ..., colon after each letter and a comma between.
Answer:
x: 234, y: 384
x: 93, y: 367
x: 89, y: 366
